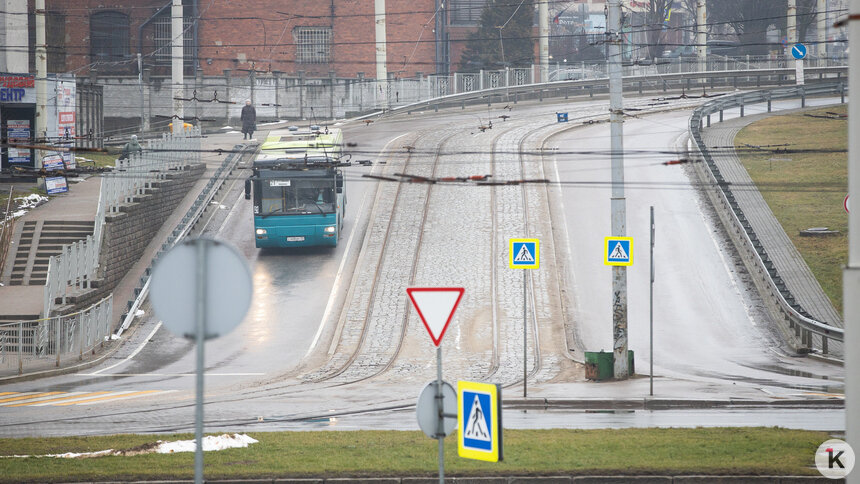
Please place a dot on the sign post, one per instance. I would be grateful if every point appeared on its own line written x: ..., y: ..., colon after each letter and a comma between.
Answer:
x: 799, y: 51
x: 524, y: 254
x: 651, y: 308
x: 435, y: 307
x: 201, y: 289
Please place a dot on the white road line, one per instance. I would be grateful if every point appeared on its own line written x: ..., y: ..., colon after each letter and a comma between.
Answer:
x: 334, y: 287
x: 174, y: 374
x: 132, y: 355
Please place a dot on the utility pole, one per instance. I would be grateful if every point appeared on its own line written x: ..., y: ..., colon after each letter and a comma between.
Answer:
x: 702, y: 35
x: 381, y: 53
x: 140, y: 88
x: 177, y: 55
x: 543, y: 40
x: 821, y: 19
x: 851, y: 274
x: 619, y: 204
x: 791, y: 26
x: 41, y: 124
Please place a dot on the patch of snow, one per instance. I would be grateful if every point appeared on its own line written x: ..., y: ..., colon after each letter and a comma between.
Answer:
x: 139, y: 313
x: 233, y: 132
x: 227, y: 127
x: 31, y: 201
x: 210, y: 443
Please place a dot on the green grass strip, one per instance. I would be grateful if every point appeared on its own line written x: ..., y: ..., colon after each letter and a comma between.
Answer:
x: 714, y: 451
x: 805, y: 190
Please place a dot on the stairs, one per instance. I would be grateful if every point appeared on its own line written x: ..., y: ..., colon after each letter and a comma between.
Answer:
x: 39, y: 240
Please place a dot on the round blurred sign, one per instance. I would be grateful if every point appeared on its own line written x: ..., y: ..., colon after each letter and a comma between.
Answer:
x: 428, y: 413
x: 227, y: 284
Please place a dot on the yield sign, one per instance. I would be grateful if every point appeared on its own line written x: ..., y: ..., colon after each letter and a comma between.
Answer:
x: 435, y: 306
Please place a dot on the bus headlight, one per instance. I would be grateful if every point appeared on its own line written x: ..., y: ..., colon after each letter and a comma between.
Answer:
x: 330, y: 229
x: 261, y: 231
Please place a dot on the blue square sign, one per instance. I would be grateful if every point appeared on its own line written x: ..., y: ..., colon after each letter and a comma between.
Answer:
x: 478, y: 430
x: 524, y: 253
x: 618, y: 251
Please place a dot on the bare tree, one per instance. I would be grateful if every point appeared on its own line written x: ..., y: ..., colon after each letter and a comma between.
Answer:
x: 751, y: 20
x: 655, y: 18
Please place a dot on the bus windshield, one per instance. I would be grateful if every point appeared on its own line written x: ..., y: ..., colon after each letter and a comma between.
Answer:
x: 296, y: 196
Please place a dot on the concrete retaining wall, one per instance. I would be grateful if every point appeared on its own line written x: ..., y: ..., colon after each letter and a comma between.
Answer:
x: 128, y: 232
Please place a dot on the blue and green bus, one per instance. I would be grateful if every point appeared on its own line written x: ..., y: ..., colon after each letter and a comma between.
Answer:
x: 298, y: 190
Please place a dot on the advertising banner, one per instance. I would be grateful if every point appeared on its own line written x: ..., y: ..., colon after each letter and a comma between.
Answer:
x: 18, y: 131
x: 56, y: 184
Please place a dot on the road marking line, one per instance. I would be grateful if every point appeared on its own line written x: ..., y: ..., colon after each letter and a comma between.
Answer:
x: 113, y: 396
x: 50, y: 401
x: 28, y: 396
x: 132, y: 355
x: 175, y: 374
x: 7, y: 393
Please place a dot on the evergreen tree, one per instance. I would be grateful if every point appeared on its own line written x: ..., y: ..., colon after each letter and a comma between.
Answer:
x: 505, y: 37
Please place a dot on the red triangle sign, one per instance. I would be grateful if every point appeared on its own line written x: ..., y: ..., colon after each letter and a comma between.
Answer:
x: 435, y: 306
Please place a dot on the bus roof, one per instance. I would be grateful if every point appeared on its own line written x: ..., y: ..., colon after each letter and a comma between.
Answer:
x: 282, y: 139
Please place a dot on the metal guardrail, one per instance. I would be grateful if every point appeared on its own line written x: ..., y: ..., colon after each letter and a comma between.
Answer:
x: 46, y: 343
x: 182, y: 229
x: 685, y: 82
x: 77, y: 265
x: 799, y: 319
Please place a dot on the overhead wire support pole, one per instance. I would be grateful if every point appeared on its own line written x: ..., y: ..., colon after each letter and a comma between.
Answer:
x: 543, y: 40
x: 702, y: 34
x: 851, y: 274
x: 41, y: 124
x: 619, y: 203
x: 177, y: 66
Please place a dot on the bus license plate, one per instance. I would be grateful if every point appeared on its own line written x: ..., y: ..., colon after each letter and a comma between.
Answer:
x: 296, y: 239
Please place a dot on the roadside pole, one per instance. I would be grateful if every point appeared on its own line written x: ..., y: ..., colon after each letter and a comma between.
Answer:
x: 543, y: 40
x: 525, y: 334
x: 651, y: 307
x: 851, y: 274
x: 619, y: 203
x: 440, y: 407
x: 41, y: 125
x: 177, y: 66
x: 200, y: 339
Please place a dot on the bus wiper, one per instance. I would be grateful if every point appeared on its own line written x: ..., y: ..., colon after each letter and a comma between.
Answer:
x: 314, y: 203
x: 272, y: 212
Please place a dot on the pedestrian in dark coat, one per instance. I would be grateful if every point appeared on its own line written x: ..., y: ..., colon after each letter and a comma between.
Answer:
x: 249, y: 120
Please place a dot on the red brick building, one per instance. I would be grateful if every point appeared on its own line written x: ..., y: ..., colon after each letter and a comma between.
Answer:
x: 313, y: 36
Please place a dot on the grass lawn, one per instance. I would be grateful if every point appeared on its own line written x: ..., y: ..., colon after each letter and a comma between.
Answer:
x: 808, y: 190
x: 723, y: 451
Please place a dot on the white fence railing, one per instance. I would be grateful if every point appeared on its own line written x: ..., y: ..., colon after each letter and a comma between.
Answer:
x: 47, y: 343
x: 77, y: 265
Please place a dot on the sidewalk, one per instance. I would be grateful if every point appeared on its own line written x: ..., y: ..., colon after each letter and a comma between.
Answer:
x: 788, y: 261
x: 80, y: 204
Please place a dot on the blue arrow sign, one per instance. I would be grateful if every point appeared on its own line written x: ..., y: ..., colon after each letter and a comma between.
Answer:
x: 799, y: 51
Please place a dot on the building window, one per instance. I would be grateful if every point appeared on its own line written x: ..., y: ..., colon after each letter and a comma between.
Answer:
x: 162, y: 39
x: 109, y: 36
x: 466, y: 12
x: 313, y: 45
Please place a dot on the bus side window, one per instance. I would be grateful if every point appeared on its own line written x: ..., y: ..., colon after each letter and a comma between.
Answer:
x: 248, y: 189
x: 339, y: 182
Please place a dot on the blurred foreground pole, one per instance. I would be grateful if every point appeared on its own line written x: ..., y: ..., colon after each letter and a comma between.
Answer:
x: 851, y: 276
x: 40, y: 130
x: 619, y: 203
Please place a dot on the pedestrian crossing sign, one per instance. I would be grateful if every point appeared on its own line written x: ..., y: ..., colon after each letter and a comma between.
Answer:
x: 618, y: 251
x: 479, y: 418
x: 524, y: 253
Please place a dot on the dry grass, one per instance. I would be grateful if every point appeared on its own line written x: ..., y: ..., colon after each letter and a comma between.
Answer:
x: 808, y: 190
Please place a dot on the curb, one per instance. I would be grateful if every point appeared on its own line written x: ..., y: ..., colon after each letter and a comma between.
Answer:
x: 682, y: 479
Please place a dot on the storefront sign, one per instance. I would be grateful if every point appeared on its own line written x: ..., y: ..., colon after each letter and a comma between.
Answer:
x: 18, y: 131
x: 17, y: 88
x: 53, y: 162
